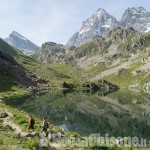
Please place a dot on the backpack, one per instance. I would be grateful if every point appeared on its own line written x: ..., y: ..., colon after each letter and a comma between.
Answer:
x: 46, y: 125
x: 32, y: 121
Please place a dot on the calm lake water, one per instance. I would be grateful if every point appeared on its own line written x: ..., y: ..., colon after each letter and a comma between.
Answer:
x: 121, y: 113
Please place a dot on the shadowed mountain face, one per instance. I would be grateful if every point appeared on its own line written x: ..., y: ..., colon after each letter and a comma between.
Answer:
x: 11, y: 72
x: 100, y: 23
x: 20, y: 42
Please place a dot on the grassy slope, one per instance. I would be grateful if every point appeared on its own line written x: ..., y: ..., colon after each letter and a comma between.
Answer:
x: 55, y: 73
x: 127, y: 78
x: 128, y: 46
x: 7, y: 87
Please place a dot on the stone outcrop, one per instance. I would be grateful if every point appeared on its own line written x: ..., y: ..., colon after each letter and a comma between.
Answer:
x: 52, y: 52
x: 109, y: 87
x: 3, y: 114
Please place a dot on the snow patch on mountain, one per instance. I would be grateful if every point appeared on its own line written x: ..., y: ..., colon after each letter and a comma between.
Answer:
x: 148, y: 29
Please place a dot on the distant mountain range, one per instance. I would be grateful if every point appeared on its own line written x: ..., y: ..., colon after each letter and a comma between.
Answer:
x: 20, y: 42
x: 100, y: 23
x: 121, y: 56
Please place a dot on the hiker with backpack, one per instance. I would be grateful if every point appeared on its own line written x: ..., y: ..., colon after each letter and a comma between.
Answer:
x: 31, y: 122
x: 45, y: 126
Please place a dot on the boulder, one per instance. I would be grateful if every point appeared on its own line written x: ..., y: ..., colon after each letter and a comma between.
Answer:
x: 1, y: 101
x: 8, y: 127
x: 18, y: 136
x: 44, y: 144
x: 32, y: 135
x: 1, y: 120
x: 55, y: 136
x: 3, y: 114
x: 66, y: 85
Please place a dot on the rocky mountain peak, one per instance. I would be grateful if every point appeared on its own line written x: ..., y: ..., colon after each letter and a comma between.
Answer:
x: 52, y: 52
x: 51, y: 46
x: 119, y: 34
x: 16, y: 34
x: 98, y: 17
x: 138, y: 18
x: 137, y: 10
x: 99, y: 23
x: 20, y: 42
x: 100, y: 10
x: 134, y: 12
x: 48, y: 44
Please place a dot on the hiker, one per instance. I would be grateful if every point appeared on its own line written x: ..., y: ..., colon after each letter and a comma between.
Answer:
x: 45, y: 126
x: 31, y: 122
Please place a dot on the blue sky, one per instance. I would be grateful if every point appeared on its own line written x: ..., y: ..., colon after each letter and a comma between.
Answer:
x: 55, y: 20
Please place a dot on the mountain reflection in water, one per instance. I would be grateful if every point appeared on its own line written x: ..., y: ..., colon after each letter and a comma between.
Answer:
x: 121, y: 113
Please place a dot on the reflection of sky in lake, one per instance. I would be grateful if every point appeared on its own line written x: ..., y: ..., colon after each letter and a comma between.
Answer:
x: 64, y: 127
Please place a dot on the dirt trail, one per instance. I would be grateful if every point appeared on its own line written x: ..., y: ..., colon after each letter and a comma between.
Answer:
x: 43, y: 140
x: 16, y: 128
